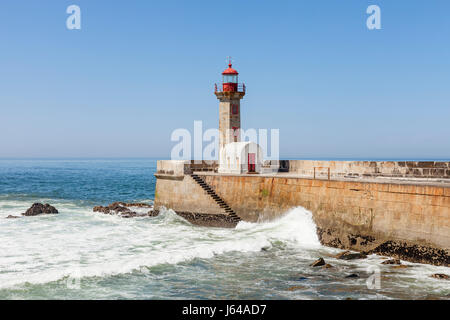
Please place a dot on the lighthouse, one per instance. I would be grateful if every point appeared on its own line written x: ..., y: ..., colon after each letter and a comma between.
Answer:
x: 234, y: 156
x: 229, y: 93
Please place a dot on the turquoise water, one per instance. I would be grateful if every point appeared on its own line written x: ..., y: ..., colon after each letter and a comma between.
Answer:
x: 79, y: 254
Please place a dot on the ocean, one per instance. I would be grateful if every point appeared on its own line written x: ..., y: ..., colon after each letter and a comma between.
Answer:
x: 79, y: 254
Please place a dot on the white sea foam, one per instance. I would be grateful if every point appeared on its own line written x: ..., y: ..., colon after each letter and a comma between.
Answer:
x: 296, y: 226
x: 80, y: 243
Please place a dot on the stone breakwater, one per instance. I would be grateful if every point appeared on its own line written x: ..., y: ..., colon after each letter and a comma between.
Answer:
x: 406, y: 218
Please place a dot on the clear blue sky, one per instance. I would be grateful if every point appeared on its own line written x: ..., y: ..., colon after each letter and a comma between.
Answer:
x: 137, y: 70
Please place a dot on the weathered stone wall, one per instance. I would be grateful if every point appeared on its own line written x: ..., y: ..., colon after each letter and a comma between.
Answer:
x: 354, y: 215
x: 410, y: 221
x: 183, y: 195
x: 171, y: 167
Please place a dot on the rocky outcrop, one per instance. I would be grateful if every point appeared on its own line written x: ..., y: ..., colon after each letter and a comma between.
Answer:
x: 39, y: 208
x: 412, y: 252
x: 440, y: 276
x: 123, y: 209
x: 319, y: 262
x: 392, y: 261
x: 12, y: 217
x: 209, y: 220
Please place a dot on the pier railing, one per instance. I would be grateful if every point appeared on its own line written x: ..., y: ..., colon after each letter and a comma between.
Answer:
x: 203, y: 166
x: 323, y: 169
x: 240, y: 87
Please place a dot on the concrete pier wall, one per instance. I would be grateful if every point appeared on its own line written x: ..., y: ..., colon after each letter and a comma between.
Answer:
x: 406, y: 219
x: 383, y: 210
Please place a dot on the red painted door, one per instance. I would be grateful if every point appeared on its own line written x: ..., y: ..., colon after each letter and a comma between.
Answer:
x: 251, y: 162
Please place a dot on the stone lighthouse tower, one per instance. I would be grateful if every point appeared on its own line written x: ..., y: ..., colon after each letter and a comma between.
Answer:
x: 229, y: 94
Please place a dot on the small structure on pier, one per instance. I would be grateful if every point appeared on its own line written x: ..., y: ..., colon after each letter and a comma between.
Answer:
x: 241, y: 157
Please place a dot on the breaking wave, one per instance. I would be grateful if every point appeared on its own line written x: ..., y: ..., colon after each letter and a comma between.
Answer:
x: 78, y: 243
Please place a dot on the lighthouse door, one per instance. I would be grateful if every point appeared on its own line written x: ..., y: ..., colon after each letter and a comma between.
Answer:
x: 251, y: 162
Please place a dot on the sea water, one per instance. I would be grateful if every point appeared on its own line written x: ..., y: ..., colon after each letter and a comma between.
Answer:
x: 80, y: 254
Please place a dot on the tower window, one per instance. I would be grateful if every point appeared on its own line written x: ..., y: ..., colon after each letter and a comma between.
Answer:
x: 235, y: 109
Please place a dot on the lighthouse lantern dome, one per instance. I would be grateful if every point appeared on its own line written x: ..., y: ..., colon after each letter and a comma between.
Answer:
x: 230, y: 75
x: 230, y: 79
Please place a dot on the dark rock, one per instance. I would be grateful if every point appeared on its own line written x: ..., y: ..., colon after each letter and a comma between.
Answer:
x: 118, y: 207
x: 129, y: 214
x: 440, y: 276
x: 153, y: 213
x: 353, y: 275
x: 327, y: 266
x: 392, y: 261
x: 12, y: 217
x: 339, y: 255
x: 407, y: 251
x: 413, y: 253
x: 209, y: 220
x: 318, y: 263
x: 105, y: 210
x: 121, y: 208
x: 347, y: 255
x: 39, y: 208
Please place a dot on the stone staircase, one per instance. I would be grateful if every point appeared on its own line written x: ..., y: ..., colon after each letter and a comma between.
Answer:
x: 230, y: 212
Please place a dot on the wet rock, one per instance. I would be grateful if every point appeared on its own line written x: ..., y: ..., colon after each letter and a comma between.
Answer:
x: 209, y: 220
x: 440, y: 276
x: 153, y: 213
x: 39, y: 208
x: 353, y: 275
x: 118, y: 207
x: 347, y: 255
x: 413, y: 253
x: 319, y: 262
x: 12, y: 217
x: 392, y: 261
x: 339, y: 255
x: 129, y: 215
x: 327, y: 266
x: 122, y: 209
x: 101, y: 209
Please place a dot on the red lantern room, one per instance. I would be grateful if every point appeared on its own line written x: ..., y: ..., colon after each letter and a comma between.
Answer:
x: 230, y: 81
